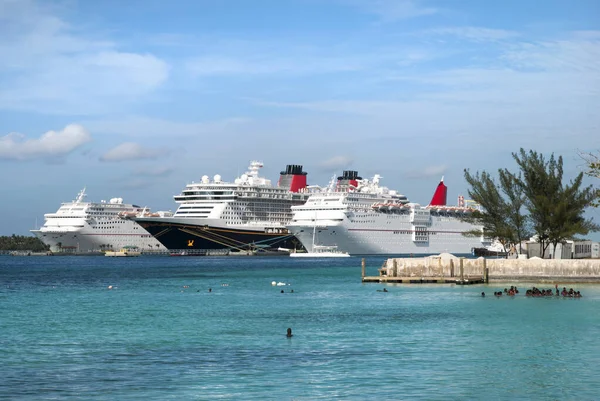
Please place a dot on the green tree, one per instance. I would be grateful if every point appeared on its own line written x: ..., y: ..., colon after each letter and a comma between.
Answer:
x: 515, y: 218
x: 501, y: 207
x: 592, y: 168
x: 592, y: 163
x: 556, y: 211
x: 22, y: 243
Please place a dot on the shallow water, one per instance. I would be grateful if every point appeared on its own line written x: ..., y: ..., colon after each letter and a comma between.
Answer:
x: 160, y: 334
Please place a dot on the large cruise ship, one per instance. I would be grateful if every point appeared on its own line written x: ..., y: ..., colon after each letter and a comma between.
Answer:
x: 81, y: 227
x: 245, y: 215
x: 361, y: 217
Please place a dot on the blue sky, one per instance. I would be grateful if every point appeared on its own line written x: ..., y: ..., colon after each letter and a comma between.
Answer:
x: 135, y: 99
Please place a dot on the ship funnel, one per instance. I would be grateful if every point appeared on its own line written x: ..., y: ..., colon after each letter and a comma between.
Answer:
x: 293, y: 178
x: 349, y: 178
x: 439, y: 197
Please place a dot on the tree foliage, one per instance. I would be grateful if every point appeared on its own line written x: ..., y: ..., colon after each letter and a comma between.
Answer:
x: 22, y: 243
x: 592, y: 168
x: 555, y: 211
x: 592, y: 161
x: 516, y: 219
x: 501, y: 207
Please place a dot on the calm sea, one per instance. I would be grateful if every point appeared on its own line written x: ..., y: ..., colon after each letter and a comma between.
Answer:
x: 160, y: 334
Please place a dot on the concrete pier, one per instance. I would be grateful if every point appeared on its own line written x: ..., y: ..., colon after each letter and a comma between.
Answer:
x: 441, y: 269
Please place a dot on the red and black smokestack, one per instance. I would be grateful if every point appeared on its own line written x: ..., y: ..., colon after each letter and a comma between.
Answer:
x: 349, y: 178
x: 293, y: 178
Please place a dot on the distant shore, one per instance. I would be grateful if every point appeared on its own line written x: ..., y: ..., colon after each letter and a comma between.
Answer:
x: 21, y: 243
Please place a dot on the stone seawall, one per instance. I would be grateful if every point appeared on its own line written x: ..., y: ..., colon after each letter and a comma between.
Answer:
x: 447, y: 265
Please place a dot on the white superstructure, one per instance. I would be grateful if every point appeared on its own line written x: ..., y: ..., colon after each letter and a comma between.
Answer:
x: 363, y: 218
x: 248, y: 212
x: 79, y: 226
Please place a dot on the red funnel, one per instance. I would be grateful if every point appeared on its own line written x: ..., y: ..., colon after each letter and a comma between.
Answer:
x: 439, y: 197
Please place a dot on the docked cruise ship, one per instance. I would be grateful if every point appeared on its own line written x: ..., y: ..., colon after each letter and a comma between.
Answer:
x: 81, y: 227
x: 361, y: 217
x: 245, y: 215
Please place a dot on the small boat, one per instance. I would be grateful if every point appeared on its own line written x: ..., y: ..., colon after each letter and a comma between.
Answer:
x: 126, y: 251
x: 321, y: 251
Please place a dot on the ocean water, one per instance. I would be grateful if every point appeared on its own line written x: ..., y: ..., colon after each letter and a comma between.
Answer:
x: 160, y: 334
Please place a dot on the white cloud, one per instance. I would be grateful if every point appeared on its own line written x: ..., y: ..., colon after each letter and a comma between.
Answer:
x: 241, y: 64
x: 579, y: 56
x: 336, y: 163
x: 130, y: 151
x: 144, y: 127
x: 135, y: 184
x: 153, y: 171
x: 474, y: 33
x: 51, y: 66
x: 587, y: 35
x: 290, y: 58
x: 428, y: 172
x: 545, y: 98
x: 50, y: 146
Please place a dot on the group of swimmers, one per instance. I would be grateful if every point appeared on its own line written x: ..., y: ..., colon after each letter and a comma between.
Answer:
x: 536, y: 292
x: 511, y: 292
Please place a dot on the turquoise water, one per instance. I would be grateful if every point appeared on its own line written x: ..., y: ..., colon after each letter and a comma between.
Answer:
x: 159, y: 334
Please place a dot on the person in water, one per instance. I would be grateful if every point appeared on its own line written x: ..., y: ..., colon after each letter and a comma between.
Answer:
x: 483, y: 294
x: 289, y: 332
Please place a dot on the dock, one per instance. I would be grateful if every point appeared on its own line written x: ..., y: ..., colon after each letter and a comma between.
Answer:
x: 423, y: 280
x: 449, y: 269
x: 433, y: 274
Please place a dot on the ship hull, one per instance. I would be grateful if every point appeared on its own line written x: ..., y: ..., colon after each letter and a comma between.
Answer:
x: 87, y: 239
x: 381, y: 234
x: 177, y: 234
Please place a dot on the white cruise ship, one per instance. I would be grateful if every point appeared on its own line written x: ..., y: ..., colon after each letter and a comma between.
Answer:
x: 82, y: 227
x: 247, y: 214
x: 361, y: 217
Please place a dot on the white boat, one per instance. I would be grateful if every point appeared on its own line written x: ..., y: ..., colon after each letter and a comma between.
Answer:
x: 360, y: 217
x: 126, y: 251
x: 82, y: 227
x: 245, y: 215
x: 321, y: 251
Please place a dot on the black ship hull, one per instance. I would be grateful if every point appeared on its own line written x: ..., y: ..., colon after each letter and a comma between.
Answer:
x: 176, y: 236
